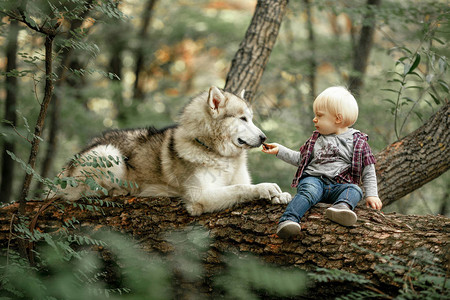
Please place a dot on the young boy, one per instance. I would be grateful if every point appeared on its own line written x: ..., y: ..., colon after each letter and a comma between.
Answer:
x: 331, y: 164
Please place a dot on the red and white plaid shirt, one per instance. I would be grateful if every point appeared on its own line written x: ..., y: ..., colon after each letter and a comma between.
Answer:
x: 362, y: 156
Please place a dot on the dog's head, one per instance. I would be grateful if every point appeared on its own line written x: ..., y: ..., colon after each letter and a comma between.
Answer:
x: 233, y: 117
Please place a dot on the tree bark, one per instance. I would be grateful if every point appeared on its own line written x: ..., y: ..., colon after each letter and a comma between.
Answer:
x: 361, y: 51
x: 250, y: 60
x: 10, y: 112
x: 251, y: 228
x: 418, y: 158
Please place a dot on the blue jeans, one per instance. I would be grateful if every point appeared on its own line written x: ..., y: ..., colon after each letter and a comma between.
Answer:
x: 312, y: 190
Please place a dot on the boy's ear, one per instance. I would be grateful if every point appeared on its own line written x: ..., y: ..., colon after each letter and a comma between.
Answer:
x: 339, y: 119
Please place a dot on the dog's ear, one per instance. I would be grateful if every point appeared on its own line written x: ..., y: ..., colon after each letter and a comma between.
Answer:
x: 216, y: 100
x: 242, y: 95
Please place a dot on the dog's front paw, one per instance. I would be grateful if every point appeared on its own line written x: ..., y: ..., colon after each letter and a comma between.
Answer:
x: 283, y: 198
x: 194, y: 209
x: 268, y: 190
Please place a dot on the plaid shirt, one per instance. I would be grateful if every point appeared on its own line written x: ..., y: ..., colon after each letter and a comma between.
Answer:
x: 362, y: 156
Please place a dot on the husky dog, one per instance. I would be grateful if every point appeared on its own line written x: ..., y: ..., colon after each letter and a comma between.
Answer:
x: 202, y: 159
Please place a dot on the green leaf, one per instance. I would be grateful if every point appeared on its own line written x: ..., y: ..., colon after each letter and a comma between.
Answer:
x: 417, y: 74
x: 390, y: 90
x: 444, y: 85
x: 436, y: 100
x: 390, y: 101
x: 408, y: 99
x: 419, y: 115
x: 395, y: 80
x: 415, y: 64
x: 400, y: 48
x: 63, y: 184
x: 414, y: 87
x: 438, y: 40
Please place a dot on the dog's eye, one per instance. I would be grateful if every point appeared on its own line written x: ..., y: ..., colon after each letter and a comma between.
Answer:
x: 244, y: 119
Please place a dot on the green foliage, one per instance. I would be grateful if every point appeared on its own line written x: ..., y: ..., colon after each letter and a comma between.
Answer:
x: 62, y: 272
x: 428, y: 83
x: 327, y: 275
x: 30, y: 170
x: 246, y: 278
x: 419, y: 277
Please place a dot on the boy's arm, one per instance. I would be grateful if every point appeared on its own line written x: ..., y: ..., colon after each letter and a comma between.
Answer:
x: 290, y: 156
x: 369, y: 179
x: 285, y: 154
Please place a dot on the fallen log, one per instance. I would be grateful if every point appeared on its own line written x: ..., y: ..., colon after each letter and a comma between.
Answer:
x: 251, y: 228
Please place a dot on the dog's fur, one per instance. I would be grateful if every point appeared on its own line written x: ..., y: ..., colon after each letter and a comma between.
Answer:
x: 202, y: 159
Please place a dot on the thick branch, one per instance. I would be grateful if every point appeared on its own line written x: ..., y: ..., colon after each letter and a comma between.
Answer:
x: 418, y: 158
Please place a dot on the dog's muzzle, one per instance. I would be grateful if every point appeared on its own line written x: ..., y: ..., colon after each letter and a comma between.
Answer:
x: 262, y: 138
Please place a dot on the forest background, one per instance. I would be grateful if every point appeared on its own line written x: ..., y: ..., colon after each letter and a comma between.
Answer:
x: 140, y: 68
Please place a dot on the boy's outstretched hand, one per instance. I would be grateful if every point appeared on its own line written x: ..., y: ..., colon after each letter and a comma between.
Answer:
x: 374, y: 202
x: 270, y: 148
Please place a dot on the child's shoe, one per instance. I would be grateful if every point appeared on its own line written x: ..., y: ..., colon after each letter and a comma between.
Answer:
x: 287, y: 229
x: 341, y: 214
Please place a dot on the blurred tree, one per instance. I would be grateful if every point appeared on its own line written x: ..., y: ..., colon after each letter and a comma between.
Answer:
x: 10, y: 111
x: 312, y: 49
x: 361, y: 49
x: 139, y: 58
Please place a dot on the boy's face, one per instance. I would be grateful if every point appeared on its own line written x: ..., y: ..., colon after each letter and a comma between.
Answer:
x: 326, y: 123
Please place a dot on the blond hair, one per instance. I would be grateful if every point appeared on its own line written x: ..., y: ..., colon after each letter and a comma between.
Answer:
x: 337, y: 100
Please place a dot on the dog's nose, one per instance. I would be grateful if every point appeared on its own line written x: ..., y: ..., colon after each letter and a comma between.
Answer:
x: 262, y: 138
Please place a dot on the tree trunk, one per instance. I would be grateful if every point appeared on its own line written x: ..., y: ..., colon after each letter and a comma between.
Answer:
x: 10, y: 112
x: 146, y: 18
x: 250, y: 60
x: 251, y: 228
x: 361, y: 51
x: 312, y: 49
x: 418, y: 158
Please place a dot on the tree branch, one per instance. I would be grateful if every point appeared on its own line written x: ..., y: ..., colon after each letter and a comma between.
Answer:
x: 418, y: 158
